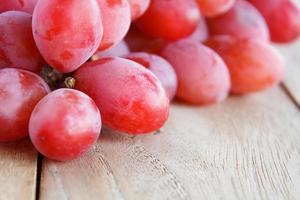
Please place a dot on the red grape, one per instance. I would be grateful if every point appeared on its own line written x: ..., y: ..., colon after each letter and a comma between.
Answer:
x: 116, y: 20
x: 253, y: 64
x: 17, y: 47
x: 138, y: 41
x: 20, y: 91
x: 203, y: 78
x: 160, y: 67
x: 242, y: 20
x: 170, y: 20
x: 201, y: 32
x: 67, y: 33
x: 130, y: 97
x: 138, y: 8
x: 211, y: 8
x: 20, y: 5
x: 120, y: 49
x: 64, y: 124
x: 283, y: 18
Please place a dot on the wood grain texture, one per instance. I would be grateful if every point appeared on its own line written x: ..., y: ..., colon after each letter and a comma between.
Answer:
x: 18, y: 163
x: 246, y: 148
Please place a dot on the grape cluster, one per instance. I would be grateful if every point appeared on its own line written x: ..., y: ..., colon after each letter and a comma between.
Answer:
x: 67, y: 66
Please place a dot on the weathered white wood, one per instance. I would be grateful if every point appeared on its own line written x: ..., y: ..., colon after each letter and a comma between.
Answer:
x: 291, y: 54
x: 245, y: 148
x: 18, y: 163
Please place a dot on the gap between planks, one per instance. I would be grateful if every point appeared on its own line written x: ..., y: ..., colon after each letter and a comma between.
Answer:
x: 291, y: 95
x: 38, y: 175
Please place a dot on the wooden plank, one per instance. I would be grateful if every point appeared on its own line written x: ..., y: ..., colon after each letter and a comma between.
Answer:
x: 290, y: 53
x: 246, y: 148
x: 292, y: 58
x: 18, y: 167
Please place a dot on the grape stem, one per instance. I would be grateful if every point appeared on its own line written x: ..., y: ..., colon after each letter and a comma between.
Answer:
x: 57, y: 80
x: 70, y: 82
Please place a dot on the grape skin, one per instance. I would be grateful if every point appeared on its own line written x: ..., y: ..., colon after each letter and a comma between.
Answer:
x: 283, y: 18
x: 170, y: 20
x: 131, y: 99
x: 116, y: 18
x: 120, y: 49
x: 18, y: 5
x: 201, y: 33
x: 212, y: 8
x: 253, y: 64
x: 64, y: 124
x: 67, y: 39
x: 17, y: 47
x: 20, y: 91
x: 203, y: 77
x: 243, y: 20
x: 160, y: 67
x: 138, y: 41
x: 138, y: 8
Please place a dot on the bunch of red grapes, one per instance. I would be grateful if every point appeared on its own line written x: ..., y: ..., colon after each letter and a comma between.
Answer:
x: 63, y: 62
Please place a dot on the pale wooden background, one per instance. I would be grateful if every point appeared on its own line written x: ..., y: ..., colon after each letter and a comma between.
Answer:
x: 245, y: 148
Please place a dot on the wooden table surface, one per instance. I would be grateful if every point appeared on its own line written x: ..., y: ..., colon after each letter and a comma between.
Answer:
x: 245, y: 148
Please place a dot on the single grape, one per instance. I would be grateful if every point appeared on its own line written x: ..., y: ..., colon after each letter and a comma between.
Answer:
x: 20, y: 91
x: 67, y: 33
x: 138, y: 8
x: 170, y: 20
x: 253, y: 64
x: 243, y: 20
x: 160, y: 67
x: 203, y: 78
x: 138, y: 41
x: 120, y: 49
x: 116, y: 20
x: 130, y: 97
x: 17, y: 47
x: 212, y: 8
x: 64, y: 124
x: 19, y: 5
x: 201, y: 33
x: 283, y: 18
